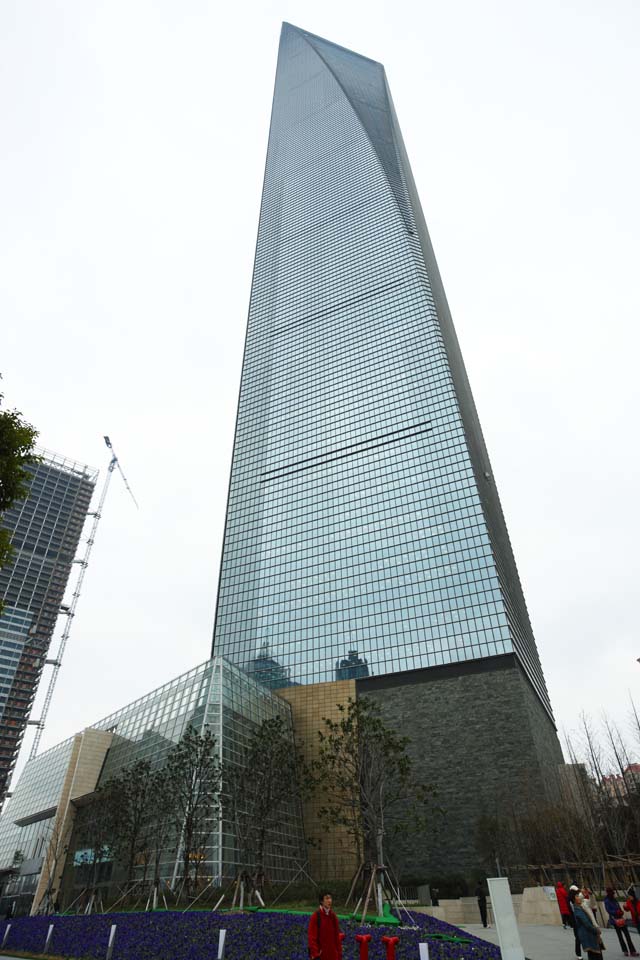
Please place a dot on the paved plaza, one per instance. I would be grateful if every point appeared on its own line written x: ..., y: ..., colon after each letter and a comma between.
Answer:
x: 550, y: 942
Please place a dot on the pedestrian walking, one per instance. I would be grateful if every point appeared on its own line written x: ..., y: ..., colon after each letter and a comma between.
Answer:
x: 324, y: 931
x: 481, y: 895
x: 619, y: 924
x: 588, y: 932
x: 562, y: 896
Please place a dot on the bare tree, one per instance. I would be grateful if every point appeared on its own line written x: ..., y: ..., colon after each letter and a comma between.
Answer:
x: 259, y: 785
x: 194, y: 780
x: 94, y: 833
x: 162, y: 826
x: 133, y: 809
x: 55, y: 853
x: 371, y: 790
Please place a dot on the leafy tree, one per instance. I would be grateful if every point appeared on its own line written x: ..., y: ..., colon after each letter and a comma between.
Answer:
x: 258, y: 787
x: 17, y: 439
x: 368, y: 780
x: 194, y: 780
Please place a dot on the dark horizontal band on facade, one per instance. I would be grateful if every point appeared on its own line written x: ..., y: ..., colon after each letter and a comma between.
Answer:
x: 336, y: 307
x: 354, y: 448
x: 460, y: 668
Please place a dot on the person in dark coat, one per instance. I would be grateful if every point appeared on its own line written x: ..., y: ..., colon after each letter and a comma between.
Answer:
x: 481, y: 895
x: 562, y: 896
x: 588, y: 932
x: 324, y: 931
x: 619, y: 924
x: 573, y: 893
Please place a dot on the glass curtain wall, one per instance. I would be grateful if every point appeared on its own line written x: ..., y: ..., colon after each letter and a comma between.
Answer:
x: 216, y: 695
x: 362, y: 522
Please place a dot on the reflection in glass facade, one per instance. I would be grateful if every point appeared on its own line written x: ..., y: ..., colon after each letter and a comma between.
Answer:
x: 215, y: 694
x: 222, y: 697
x: 37, y: 793
x: 363, y: 519
x: 45, y: 531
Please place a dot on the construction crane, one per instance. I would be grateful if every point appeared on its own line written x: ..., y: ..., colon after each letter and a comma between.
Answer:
x: 69, y: 610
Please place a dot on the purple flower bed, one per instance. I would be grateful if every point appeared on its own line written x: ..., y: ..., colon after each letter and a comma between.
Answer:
x: 194, y: 936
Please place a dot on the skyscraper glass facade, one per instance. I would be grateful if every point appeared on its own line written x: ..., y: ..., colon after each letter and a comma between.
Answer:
x: 363, y: 520
x: 45, y: 531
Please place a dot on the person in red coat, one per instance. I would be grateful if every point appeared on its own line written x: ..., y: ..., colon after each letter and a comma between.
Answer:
x: 324, y: 931
x: 631, y: 906
x: 562, y: 896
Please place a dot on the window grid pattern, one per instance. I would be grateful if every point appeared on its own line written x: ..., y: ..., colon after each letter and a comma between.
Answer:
x: 354, y: 519
x: 216, y: 695
x: 45, y: 531
x: 38, y: 790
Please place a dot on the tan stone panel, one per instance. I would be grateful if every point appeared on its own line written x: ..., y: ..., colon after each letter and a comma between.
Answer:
x: 87, y: 757
x: 332, y: 857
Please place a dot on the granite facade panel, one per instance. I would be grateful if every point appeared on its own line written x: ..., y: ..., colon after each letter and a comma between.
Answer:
x: 482, y: 738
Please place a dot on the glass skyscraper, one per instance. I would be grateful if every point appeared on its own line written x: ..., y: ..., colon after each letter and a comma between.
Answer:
x: 45, y: 531
x: 363, y: 522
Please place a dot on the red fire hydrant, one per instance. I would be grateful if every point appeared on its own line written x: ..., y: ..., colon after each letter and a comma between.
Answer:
x: 390, y: 945
x: 363, y: 939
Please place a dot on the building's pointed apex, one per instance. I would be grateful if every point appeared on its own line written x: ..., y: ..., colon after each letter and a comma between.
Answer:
x: 363, y: 82
x: 286, y: 26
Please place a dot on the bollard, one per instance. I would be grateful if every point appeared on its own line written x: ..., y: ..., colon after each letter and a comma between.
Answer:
x: 390, y: 946
x: 221, y: 942
x: 48, y: 940
x: 505, y: 919
x: 424, y: 951
x: 342, y: 937
x: 363, y: 939
x: 6, y: 934
x: 112, y: 940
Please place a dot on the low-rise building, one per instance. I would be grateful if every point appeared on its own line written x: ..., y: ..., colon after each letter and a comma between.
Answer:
x: 36, y: 828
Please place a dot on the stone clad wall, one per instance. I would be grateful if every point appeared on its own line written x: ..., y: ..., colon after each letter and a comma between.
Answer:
x: 482, y: 738
x: 87, y: 758
x: 530, y: 907
x: 330, y: 856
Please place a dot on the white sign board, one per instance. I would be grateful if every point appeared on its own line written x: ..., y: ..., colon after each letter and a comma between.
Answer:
x: 505, y: 919
x: 424, y: 951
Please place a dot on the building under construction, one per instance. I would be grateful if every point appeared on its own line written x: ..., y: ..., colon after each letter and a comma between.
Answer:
x: 45, y: 532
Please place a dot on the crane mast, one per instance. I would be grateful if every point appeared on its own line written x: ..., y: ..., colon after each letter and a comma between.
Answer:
x: 70, y: 610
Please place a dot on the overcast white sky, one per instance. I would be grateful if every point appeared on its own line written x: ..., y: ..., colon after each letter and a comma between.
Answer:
x: 133, y: 141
